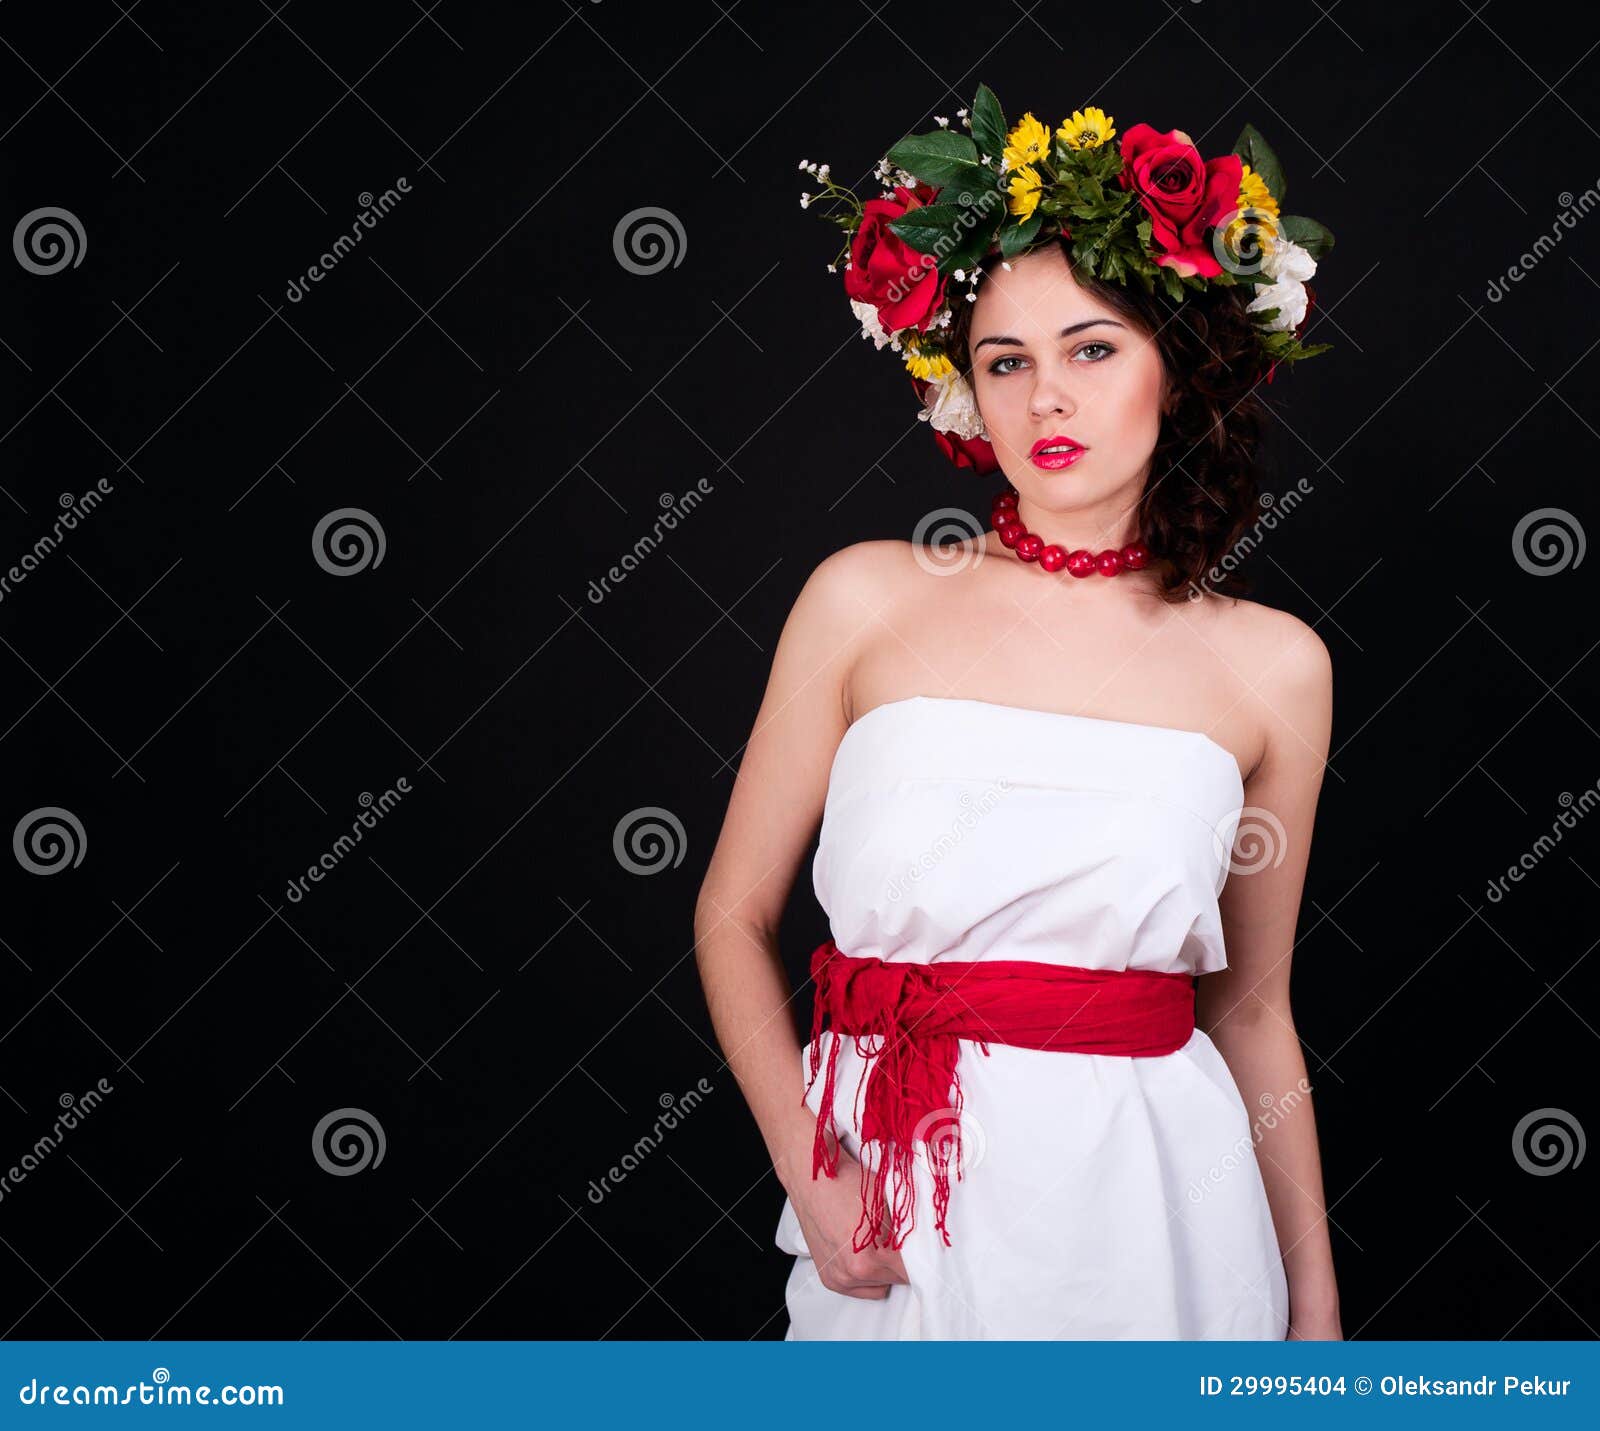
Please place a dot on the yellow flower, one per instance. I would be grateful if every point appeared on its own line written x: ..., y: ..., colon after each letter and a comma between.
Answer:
x: 1086, y: 129
x: 929, y: 366
x: 1243, y: 234
x: 1028, y: 141
x: 1253, y: 192
x: 1025, y: 191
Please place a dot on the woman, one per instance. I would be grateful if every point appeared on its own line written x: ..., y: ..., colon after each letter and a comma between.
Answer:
x: 1050, y: 807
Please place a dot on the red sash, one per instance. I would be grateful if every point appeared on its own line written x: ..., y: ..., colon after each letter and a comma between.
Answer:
x: 919, y: 1013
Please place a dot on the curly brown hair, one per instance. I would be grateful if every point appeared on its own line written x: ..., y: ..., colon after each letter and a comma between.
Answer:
x: 1211, y: 428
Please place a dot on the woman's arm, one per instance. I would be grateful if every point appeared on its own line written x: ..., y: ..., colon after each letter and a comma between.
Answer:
x: 1245, y: 1008
x: 773, y: 812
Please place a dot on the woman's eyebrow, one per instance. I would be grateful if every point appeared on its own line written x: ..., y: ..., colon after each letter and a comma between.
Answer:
x: 1067, y: 332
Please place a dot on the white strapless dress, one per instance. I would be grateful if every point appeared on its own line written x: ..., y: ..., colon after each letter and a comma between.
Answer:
x: 1102, y: 1196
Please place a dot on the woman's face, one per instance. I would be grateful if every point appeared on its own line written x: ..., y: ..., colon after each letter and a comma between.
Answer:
x: 1050, y: 361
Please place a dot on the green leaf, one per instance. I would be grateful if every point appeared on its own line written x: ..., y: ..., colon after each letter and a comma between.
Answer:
x: 940, y: 158
x: 929, y: 229
x: 1015, y: 237
x: 1172, y: 282
x: 988, y: 123
x: 1264, y: 315
x: 974, y: 244
x: 1308, y: 233
x: 1257, y: 153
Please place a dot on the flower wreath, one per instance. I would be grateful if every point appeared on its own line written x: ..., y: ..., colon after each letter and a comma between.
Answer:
x: 1150, y: 211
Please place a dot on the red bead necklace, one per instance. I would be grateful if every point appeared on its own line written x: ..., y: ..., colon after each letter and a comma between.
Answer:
x: 1032, y: 547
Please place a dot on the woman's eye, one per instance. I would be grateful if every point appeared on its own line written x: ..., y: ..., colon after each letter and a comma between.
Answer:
x: 1106, y: 350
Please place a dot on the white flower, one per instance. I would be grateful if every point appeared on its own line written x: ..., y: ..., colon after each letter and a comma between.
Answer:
x: 1288, y: 265
x: 1288, y: 296
x: 1285, y: 259
x: 871, y: 325
x: 949, y: 406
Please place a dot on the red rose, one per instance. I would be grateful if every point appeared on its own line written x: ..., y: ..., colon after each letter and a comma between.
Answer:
x: 905, y: 286
x: 1184, y: 195
x: 974, y: 452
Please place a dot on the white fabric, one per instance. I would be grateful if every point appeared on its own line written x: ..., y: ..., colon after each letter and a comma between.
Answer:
x: 1103, y: 1197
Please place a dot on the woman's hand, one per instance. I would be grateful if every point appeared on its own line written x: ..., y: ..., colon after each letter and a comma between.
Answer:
x: 829, y: 1211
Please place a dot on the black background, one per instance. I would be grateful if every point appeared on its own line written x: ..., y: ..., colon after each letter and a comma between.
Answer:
x: 482, y: 976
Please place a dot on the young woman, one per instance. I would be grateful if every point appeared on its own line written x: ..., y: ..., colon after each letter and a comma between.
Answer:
x: 1065, y: 826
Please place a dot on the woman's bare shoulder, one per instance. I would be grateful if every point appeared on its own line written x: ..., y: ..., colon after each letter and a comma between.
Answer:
x: 1285, y: 666
x: 1265, y: 638
x: 862, y: 575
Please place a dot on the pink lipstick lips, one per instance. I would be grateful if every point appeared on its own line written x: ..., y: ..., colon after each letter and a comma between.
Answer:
x: 1054, y: 453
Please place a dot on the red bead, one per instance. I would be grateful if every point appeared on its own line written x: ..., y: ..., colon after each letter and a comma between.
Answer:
x: 1109, y: 562
x: 1053, y: 558
x: 1136, y: 556
x: 1080, y: 563
x: 1029, y: 547
x: 1010, y: 533
x: 1006, y: 499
